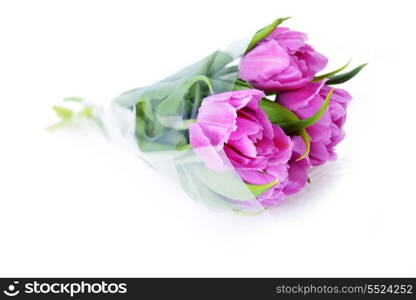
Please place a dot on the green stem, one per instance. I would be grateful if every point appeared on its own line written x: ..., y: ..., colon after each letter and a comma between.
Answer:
x: 197, y: 101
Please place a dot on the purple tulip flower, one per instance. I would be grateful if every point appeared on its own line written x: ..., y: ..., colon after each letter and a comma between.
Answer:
x: 282, y: 61
x: 296, y: 179
x: 327, y: 132
x: 232, y: 123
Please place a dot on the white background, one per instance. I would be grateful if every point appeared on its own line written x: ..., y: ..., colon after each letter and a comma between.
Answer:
x: 72, y: 204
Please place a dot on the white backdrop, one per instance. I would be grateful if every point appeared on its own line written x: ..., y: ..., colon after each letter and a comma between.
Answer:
x: 73, y: 205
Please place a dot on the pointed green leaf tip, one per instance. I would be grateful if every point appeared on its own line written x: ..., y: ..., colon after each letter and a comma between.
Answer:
x: 263, y: 33
x: 330, y: 74
x: 257, y: 190
x: 62, y: 112
x: 306, y: 138
x: 296, y: 126
x: 344, y: 77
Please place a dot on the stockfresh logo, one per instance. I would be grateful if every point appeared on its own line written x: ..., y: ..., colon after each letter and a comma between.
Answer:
x: 71, y: 289
x: 12, y: 289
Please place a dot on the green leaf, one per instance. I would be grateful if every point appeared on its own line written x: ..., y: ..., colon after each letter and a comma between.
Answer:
x: 341, y: 78
x: 330, y: 74
x: 257, y: 190
x: 226, y: 85
x: 307, y: 140
x: 226, y: 71
x: 87, y: 112
x: 228, y: 184
x: 160, y: 140
x: 149, y: 146
x: 264, y: 32
x: 168, y: 110
x: 243, y: 83
x: 295, y: 126
x: 216, y: 63
x: 199, y: 191
x: 278, y: 114
x: 73, y: 99
x: 62, y: 112
x: 197, y: 100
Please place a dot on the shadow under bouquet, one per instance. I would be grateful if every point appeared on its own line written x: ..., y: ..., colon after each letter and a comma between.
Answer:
x: 241, y: 128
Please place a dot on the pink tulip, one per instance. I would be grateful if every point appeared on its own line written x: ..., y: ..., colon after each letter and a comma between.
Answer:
x: 282, y: 61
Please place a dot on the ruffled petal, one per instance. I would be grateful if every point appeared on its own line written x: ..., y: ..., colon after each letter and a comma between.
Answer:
x: 264, y: 61
x: 204, y: 150
x: 217, y: 121
x: 298, y: 99
x: 245, y: 146
x: 315, y: 60
x: 245, y: 127
x: 255, y: 176
x: 290, y: 40
x: 318, y: 154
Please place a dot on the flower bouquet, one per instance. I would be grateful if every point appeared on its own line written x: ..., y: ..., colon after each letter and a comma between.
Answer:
x: 239, y: 129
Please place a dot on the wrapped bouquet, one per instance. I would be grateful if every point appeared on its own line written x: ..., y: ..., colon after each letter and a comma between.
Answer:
x: 239, y: 129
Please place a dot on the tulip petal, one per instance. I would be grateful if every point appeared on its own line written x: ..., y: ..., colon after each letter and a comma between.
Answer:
x: 297, y: 99
x: 267, y: 59
x: 217, y: 121
x: 255, y: 177
x: 245, y: 146
x: 203, y: 148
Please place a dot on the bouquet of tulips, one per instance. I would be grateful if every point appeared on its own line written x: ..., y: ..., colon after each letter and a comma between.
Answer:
x: 241, y: 128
